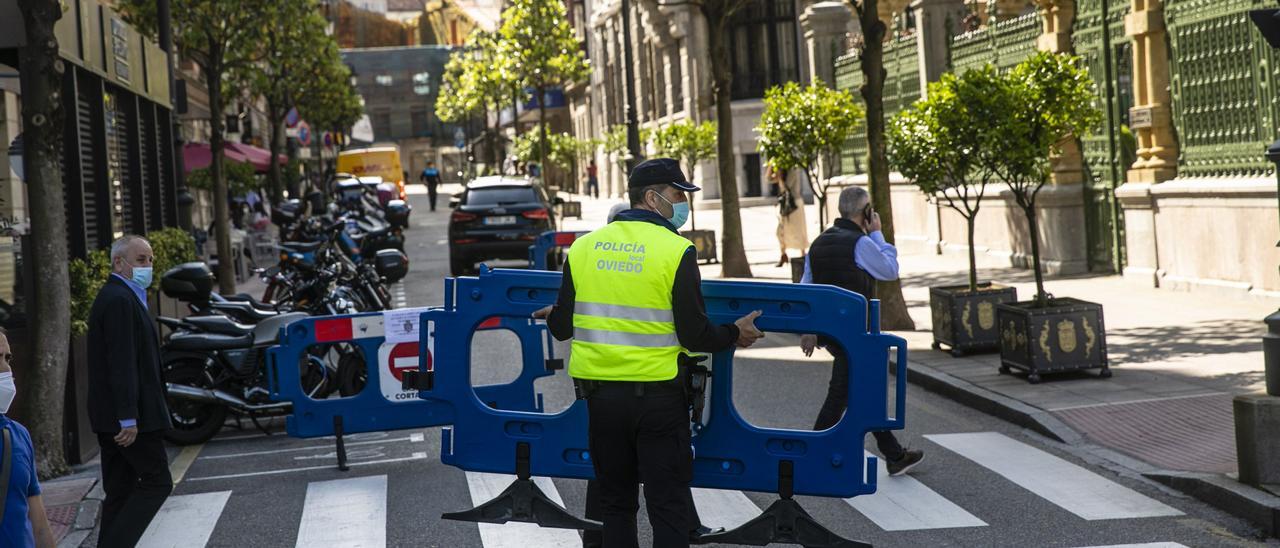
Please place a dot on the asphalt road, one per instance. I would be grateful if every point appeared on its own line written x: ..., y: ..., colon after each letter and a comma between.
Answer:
x: 984, y: 482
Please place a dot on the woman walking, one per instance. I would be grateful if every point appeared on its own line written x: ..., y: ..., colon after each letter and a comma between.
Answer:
x: 792, y: 227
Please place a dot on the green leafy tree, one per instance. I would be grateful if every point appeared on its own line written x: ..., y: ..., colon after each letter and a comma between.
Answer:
x: 804, y: 125
x: 241, y: 178
x: 42, y: 122
x: 223, y: 37
x: 948, y: 143
x: 1054, y: 103
x: 477, y: 80
x: 570, y: 153
x: 543, y: 51
x: 689, y: 143
x: 324, y: 95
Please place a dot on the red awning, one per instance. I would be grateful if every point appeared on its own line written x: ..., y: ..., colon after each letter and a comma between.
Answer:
x: 259, y: 157
x: 198, y: 156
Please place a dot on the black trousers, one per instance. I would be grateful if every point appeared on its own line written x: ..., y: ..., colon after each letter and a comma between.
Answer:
x: 838, y: 400
x: 136, y: 481
x: 595, y: 539
x: 431, y: 195
x: 642, y: 438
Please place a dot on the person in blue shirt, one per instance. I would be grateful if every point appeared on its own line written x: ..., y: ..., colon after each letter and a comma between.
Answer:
x: 853, y: 254
x: 431, y: 177
x: 23, y: 523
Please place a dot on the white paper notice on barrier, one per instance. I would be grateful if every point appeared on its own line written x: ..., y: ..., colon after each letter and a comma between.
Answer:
x: 401, y: 324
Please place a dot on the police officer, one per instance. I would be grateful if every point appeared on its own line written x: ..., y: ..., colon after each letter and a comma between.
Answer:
x: 631, y: 299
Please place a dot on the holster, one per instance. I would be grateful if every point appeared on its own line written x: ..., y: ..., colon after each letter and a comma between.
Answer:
x: 694, y: 376
x: 583, y: 388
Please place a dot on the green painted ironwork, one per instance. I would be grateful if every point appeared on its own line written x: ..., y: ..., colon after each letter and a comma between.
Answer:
x: 1225, y: 109
x: 1102, y: 44
x: 901, y: 89
x: 1004, y: 44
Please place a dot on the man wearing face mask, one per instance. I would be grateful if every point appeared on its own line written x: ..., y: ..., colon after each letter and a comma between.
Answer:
x: 126, y: 397
x: 631, y: 300
x: 23, y: 522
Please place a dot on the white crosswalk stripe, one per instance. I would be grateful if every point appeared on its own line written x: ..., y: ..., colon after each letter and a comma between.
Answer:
x: 1067, y: 485
x: 185, y: 520
x: 1144, y: 545
x: 720, y: 508
x: 485, y: 486
x: 904, y: 504
x: 349, y: 513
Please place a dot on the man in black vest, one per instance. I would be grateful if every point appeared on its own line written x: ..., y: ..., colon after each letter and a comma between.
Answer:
x: 853, y: 254
x: 126, y: 397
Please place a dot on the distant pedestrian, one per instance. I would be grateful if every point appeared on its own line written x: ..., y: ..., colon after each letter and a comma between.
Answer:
x: 593, y: 184
x: 852, y: 254
x: 793, y: 232
x: 23, y: 522
x: 126, y: 397
x: 431, y: 176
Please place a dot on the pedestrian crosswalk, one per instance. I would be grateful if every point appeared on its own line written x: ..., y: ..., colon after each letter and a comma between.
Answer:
x: 353, y: 511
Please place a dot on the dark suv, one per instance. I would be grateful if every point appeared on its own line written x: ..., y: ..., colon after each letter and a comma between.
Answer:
x: 497, y: 218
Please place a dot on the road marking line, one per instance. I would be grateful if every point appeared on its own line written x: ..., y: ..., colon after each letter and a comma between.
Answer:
x: 345, y: 513
x: 1146, y: 400
x: 416, y: 456
x: 307, y: 448
x: 416, y: 438
x: 724, y: 508
x: 1145, y: 545
x: 185, y: 520
x: 484, y: 486
x: 904, y: 504
x: 281, y: 434
x: 182, y: 462
x: 1074, y: 488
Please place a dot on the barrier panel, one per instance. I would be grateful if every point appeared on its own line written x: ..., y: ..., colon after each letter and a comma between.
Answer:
x: 729, y: 452
x: 396, y: 343
x: 546, y: 243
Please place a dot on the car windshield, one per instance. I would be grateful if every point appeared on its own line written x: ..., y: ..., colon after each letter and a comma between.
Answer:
x: 498, y: 196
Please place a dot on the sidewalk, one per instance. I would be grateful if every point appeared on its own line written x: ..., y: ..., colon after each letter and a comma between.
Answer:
x: 1177, y: 359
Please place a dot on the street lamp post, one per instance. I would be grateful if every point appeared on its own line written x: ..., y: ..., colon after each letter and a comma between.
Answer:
x: 165, y: 27
x: 633, y: 125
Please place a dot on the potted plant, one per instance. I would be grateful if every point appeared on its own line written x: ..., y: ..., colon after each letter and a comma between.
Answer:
x: 1055, y: 104
x: 690, y: 143
x: 947, y: 145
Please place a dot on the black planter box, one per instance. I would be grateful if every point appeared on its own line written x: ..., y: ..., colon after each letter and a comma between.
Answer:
x: 705, y: 242
x: 965, y: 320
x: 1067, y: 335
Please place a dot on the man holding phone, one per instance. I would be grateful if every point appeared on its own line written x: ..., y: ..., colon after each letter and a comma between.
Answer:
x: 853, y: 254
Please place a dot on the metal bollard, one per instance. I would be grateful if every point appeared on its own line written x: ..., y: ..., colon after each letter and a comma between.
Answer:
x: 1271, y: 353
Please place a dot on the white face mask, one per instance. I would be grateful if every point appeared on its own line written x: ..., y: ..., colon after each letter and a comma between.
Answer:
x: 8, y: 390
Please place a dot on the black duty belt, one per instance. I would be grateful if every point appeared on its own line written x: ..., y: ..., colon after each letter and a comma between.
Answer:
x: 585, y: 388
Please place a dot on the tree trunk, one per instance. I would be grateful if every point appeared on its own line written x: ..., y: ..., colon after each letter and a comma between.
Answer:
x: 221, y: 211
x: 274, y: 186
x: 42, y: 116
x: 973, y: 258
x: 893, y: 308
x: 1034, y: 229
x: 733, y: 255
x: 542, y: 134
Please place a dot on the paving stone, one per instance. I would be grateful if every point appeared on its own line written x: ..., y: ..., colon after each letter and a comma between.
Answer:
x: 56, y: 493
x: 88, y: 516
x: 74, y: 539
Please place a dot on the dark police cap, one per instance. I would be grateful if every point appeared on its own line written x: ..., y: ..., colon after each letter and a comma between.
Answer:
x: 660, y: 171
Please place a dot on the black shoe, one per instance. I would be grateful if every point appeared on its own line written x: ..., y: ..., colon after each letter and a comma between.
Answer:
x: 910, y: 458
x: 695, y: 536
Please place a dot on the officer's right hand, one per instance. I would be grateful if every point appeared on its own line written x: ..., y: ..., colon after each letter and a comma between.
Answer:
x: 542, y: 313
x: 808, y: 343
x: 747, y: 332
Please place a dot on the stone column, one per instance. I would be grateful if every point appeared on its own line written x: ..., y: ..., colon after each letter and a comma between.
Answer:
x: 936, y: 22
x: 886, y: 9
x: 825, y: 25
x: 1151, y: 118
x: 1008, y: 9
x: 1056, y: 17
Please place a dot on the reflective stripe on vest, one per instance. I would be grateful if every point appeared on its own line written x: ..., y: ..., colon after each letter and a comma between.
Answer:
x: 623, y: 325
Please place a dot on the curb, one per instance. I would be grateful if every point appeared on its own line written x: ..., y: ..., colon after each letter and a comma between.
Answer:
x: 86, y: 518
x: 1253, y: 505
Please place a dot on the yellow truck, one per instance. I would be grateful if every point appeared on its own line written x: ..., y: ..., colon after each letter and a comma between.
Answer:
x: 382, y: 161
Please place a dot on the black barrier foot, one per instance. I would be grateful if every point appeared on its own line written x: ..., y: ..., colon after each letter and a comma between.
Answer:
x: 783, y: 522
x: 523, y: 501
x: 342, y: 446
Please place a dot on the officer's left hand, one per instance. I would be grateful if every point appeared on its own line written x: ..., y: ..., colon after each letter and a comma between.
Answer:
x: 542, y: 313
x: 808, y: 343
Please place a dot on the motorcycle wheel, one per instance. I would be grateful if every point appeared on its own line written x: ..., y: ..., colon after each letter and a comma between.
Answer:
x: 352, y: 375
x: 193, y: 422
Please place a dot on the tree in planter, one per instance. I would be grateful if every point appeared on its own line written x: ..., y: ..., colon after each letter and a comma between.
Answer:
x: 1054, y: 102
x: 544, y: 53
x: 947, y: 143
x: 689, y: 143
x: 802, y: 125
x: 223, y: 37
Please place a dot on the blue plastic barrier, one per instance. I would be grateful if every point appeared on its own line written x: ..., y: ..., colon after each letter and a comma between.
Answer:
x: 546, y: 242
x: 730, y: 453
x: 384, y: 404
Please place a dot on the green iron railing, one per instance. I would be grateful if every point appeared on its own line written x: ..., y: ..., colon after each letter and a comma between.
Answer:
x: 1224, y: 81
x: 1004, y: 44
x: 901, y: 89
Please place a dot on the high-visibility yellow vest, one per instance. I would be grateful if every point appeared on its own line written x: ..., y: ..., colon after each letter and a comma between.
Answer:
x: 623, y: 325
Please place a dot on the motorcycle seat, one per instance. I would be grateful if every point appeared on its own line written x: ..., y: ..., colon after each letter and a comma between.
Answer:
x: 200, y: 342
x: 244, y: 311
x: 221, y: 325
x: 247, y: 298
x: 302, y: 247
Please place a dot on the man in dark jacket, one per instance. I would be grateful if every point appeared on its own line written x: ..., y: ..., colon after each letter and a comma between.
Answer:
x: 126, y: 397
x: 852, y: 254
